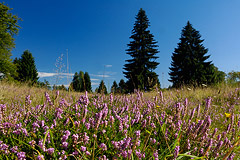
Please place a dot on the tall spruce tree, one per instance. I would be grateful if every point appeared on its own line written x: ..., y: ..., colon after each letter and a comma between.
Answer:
x: 76, y: 82
x: 27, y: 71
x: 189, y: 64
x: 82, y: 81
x: 140, y: 69
x: 114, y: 87
x: 102, y: 88
x: 87, y: 82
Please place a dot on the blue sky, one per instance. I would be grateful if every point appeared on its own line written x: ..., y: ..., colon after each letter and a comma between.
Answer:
x: 96, y: 33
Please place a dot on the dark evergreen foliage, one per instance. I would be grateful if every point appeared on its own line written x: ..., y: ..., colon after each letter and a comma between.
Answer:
x: 122, y: 86
x: 44, y: 84
x: 87, y: 82
x: 76, y: 82
x: 61, y: 87
x: 102, y: 88
x: 114, y: 87
x: 27, y: 71
x: 81, y: 82
x: 140, y: 69
x: 189, y: 61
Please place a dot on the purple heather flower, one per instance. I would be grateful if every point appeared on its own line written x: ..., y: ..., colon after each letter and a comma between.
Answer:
x: 50, y: 151
x: 88, y: 153
x: 111, y: 118
x: 176, y: 151
x: 138, y: 133
x: 83, y: 149
x: 87, y: 125
x: 58, y: 113
x: 35, y: 125
x: 48, y: 99
x: 138, y: 154
x: 214, y: 132
x: 153, y: 125
x: 75, y: 137
x: 201, y: 151
x: 144, y: 123
x: 75, y: 153
x: 208, y: 103
x: 219, y: 137
x: 155, y: 155
x: 28, y: 100
x: 64, y: 138
x: 124, y: 154
x: 219, y: 145
x: 103, y: 131
x: 40, y: 157
x: 14, y: 149
x: 19, y: 125
x: 67, y: 132
x: 24, y: 131
x: 32, y: 143
x: 57, y: 93
x: 188, y: 144
x: 21, y: 155
x: 85, y: 138
x: 154, y: 140
x: 228, y: 127
x: 40, y: 143
x: 65, y: 145
x: 129, y: 153
x: 103, y: 146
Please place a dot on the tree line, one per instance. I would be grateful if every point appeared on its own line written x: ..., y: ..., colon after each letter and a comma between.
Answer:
x: 190, y: 63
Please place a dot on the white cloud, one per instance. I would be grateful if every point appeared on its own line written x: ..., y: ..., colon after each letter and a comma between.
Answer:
x: 65, y: 85
x: 45, y: 74
x: 93, y: 79
x: 94, y: 84
x: 108, y: 65
x: 100, y: 75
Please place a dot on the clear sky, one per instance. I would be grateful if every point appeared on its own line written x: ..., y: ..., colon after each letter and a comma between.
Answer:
x: 96, y: 33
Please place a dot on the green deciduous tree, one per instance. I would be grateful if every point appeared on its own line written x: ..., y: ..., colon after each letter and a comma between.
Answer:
x: 27, y: 71
x: 233, y: 77
x: 140, y: 69
x: 8, y: 29
x: 189, y: 61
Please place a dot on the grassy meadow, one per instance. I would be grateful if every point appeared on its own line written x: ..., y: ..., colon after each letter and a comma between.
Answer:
x: 188, y: 123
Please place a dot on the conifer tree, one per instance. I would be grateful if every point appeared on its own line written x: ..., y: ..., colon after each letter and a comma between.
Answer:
x: 189, y: 64
x: 140, y: 69
x: 114, y: 87
x: 102, y: 88
x: 122, y: 86
x: 27, y: 71
x: 76, y: 82
x: 82, y: 81
x: 87, y: 82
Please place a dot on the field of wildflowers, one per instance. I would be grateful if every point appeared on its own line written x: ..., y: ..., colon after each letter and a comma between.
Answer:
x: 175, y: 124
